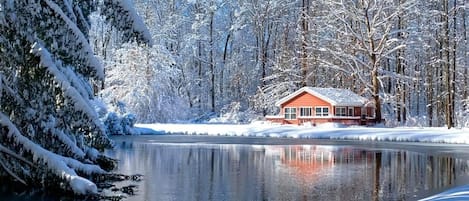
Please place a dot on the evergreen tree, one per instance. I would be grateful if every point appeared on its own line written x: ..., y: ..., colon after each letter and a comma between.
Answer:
x: 50, y: 133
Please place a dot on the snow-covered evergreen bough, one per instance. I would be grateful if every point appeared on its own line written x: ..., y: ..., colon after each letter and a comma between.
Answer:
x: 50, y: 134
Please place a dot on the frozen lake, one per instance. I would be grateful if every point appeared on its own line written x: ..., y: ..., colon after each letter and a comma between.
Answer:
x: 245, y: 168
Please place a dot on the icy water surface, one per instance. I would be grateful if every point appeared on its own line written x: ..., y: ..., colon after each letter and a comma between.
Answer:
x: 238, y: 168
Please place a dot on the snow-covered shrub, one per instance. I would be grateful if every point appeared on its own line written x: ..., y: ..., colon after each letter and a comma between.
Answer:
x: 119, y: 124
x: 113, y: 124
x: 116, y: 120
x: 143, y: 78
x: 232, y: 113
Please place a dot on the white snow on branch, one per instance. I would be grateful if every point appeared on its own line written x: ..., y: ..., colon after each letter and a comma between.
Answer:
x: 60, y: 165
x: 77, y: 152
x: 137, y: 22
x: 79, y: 102
x: 8, y: 90
x: 91, y: 59
x: 78, y: 83
x: 2, y: 164
x: 13, y: 154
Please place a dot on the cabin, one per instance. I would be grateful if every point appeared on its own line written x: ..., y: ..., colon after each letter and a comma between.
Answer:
x: 313, y: 105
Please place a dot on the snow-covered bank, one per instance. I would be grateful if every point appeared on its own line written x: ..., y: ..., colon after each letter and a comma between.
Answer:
x: 458, y: 193
x: 401, y: 134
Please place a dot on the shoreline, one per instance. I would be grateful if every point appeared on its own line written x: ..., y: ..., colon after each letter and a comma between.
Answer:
x: 399, y: 134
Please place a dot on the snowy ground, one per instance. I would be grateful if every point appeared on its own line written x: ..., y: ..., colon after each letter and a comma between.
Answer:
x: 455, y: 194
x: 330, y: 131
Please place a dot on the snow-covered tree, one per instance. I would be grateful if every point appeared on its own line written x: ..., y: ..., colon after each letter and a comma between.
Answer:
x: 286, y: 75
x: 144, y: 78
x: 254, y: 52
x: 363, y: 37
x: 50, y: 133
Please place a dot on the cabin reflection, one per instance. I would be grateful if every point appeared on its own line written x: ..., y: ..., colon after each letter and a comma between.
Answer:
x: 392, y: 174
x: 321, y: 156
x: 306, y: 162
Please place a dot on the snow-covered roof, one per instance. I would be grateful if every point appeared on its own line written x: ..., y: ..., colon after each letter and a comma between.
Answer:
x: 334, y: 96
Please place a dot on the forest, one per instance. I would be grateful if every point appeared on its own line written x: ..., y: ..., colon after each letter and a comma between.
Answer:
x: 67, y: 68
x: 209, y: 57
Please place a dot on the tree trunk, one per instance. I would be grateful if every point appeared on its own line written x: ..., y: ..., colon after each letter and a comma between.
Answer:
x: 222, y: 76
x: 199, y: 73
x: 466, y: 62
x: 398, y: 89
x: 454, y: 64
x: 429, y: 90
x: 449, y: 112
x: 212, y: 66
x: 264, y: 53
x: 375, y: 82
x: 304, y: 43
x: 188, y: 91
x: 374, y: 63
x: 400, y: 65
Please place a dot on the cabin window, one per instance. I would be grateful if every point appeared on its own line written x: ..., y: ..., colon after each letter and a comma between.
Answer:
x: 350, y: 112
x: 341, y: 111
x: 305, y: 111
x: 290, y: 113
x: 322, y: 111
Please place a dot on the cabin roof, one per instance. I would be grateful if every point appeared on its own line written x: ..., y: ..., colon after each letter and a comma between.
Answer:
x: 334, y: 96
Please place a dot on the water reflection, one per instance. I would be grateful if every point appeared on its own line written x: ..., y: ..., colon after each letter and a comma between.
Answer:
x: 185, y: 171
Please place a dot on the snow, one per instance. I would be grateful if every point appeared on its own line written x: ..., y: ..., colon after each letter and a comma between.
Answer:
x: 80, y: 103
x: 137, y: 23
x: 458, y: 193
x: 81, y: 39
x: 339, y: 97
x: 82, y: 186
x: 324, y: 131
x: 60, y: 165
x: 335, y: 96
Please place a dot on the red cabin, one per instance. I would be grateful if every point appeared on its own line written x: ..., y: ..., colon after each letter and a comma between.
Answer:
x: 321, y: 105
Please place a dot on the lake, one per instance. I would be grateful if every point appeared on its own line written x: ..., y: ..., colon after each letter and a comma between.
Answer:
x: 179, y: 167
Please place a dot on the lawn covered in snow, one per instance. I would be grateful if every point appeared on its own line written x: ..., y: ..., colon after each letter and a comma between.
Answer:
x: 454, y: 194
x: 328, y: 131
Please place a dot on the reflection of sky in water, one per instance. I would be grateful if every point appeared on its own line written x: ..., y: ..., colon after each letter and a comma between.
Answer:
x: 206, y: 170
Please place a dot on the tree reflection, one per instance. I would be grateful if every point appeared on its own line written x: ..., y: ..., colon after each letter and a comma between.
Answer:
x: 291, y: 172
x: 395, y: 175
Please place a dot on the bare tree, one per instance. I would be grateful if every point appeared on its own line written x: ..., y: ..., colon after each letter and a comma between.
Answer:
x: 367, y: 27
